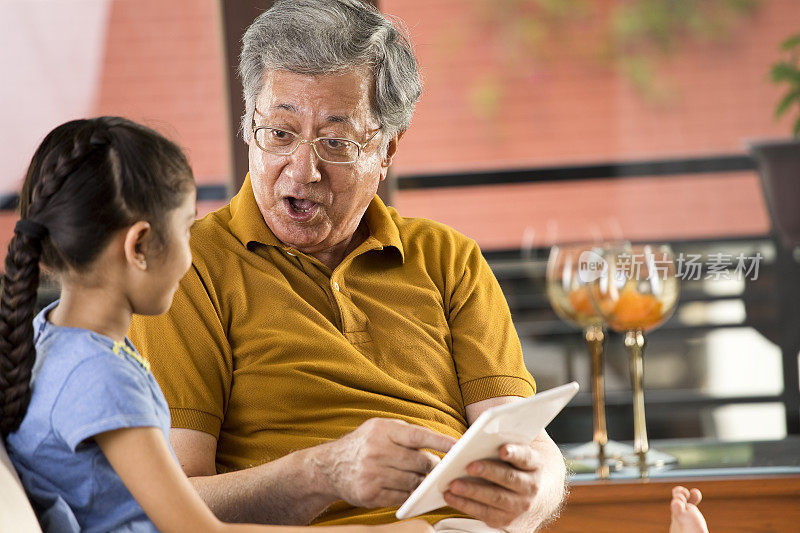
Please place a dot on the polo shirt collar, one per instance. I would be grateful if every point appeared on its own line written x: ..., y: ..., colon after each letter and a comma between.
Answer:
x: 247, y: 223
x: 381, y: 226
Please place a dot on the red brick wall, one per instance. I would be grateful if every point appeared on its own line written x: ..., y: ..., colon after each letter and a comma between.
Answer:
x: 566, y: 109
x: 164, y: 66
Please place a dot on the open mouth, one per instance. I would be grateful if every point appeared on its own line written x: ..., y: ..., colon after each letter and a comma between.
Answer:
x: 300, y: 209
x: 301, y: 205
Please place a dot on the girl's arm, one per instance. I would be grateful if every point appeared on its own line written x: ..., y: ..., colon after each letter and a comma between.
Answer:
x: 141, y: 457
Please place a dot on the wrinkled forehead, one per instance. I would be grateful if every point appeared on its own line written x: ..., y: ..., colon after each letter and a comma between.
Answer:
x: 345, y: 97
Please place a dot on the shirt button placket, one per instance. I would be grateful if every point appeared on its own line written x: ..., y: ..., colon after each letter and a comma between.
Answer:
x: 341, y: 304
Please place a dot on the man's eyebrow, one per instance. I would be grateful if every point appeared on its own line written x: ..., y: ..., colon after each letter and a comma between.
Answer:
x: 340, y: 119
x: 335, y: 119
x: 287, y: 107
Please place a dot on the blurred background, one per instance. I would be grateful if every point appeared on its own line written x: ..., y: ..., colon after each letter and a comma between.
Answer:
x: 541, y: 122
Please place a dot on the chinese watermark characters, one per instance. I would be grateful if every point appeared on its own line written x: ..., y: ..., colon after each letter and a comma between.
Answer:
x: 685, y: 266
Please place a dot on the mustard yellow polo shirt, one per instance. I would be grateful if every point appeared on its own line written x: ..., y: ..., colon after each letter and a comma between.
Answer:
x: 270, y: 351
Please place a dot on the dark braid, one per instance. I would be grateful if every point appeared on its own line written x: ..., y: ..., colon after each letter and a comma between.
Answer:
x: 56, y: 167
x: 87, y: 180
x: 18, y: 303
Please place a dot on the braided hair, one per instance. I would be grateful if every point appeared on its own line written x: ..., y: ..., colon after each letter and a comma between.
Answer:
x: 87, y: 180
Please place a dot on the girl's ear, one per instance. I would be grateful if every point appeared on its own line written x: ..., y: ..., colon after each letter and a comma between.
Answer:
x: 137, y: 238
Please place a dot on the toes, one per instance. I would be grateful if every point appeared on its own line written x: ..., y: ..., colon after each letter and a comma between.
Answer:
x: 677, y: 506
x: 680, y: 491
x: 695, y: 497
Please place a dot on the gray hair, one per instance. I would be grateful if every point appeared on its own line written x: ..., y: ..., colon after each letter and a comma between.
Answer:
x: 317, y: 37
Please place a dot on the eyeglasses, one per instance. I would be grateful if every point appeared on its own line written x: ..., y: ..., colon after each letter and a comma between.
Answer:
x: 335, y: 150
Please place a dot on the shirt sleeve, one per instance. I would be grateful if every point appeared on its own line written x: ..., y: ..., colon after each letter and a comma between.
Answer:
x: 486, y: 348
x: 189, y: 355
x: 101, y: 394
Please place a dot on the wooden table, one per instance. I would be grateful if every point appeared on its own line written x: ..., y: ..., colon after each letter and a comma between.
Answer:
x: 731, y: 505
x: 761, y: 496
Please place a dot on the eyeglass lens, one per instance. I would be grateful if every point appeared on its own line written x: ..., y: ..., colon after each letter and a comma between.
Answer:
x: 329, y: 149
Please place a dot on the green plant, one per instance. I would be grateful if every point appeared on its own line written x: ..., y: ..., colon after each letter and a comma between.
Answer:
x: 646, y: 32
x: 787, y: 71
x: 633, y: 37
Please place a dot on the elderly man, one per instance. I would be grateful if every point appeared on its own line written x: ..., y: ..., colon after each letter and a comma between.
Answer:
x: 320, y: 343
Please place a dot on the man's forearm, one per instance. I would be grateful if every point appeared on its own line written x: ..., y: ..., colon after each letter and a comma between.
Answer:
x: 283, y: 491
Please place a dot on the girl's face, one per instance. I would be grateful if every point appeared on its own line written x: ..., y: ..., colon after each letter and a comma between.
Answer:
x: 170, y: 262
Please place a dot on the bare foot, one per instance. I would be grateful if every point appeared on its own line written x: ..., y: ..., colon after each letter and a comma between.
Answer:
x: 686, y: 517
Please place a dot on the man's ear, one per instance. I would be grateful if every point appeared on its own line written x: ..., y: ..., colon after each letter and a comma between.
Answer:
x: 391, y: 150
x: 249, y: 137
x: 137, y: 239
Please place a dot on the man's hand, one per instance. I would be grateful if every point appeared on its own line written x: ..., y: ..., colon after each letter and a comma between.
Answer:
x: 380, y: 463
x: 499, y: 491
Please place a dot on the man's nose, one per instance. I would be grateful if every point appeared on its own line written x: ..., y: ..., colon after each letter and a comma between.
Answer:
x: 303, y: 164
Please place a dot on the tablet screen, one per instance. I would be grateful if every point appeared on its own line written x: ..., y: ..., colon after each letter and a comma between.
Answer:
x: 515, y: 423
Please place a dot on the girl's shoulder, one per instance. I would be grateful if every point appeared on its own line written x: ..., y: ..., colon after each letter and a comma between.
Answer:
x: 83, y: 386
x: 61, y: 350
x: 78, y: 380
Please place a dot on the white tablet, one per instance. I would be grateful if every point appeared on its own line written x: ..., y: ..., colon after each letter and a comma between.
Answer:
x: 515, y: 423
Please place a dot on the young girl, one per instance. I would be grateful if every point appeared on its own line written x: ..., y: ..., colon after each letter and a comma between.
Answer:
x: 107, y: 206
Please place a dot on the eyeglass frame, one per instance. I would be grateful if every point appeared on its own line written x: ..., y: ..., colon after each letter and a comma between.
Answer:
x: 312, y: 142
